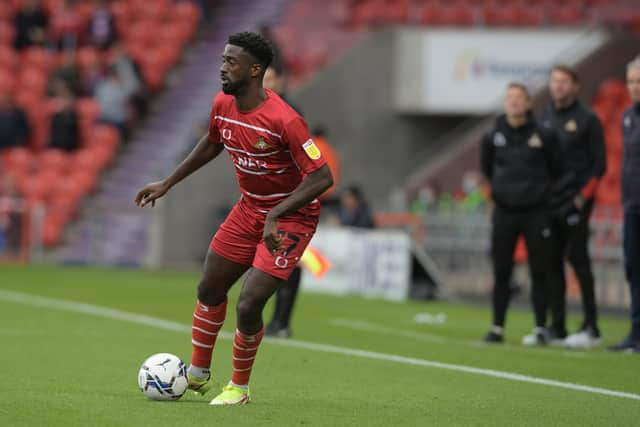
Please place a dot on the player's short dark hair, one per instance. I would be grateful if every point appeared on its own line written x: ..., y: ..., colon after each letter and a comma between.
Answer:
x: 277, y: 66
x: 521, y: 86
x: 568, y: 70
x: 255, y: 44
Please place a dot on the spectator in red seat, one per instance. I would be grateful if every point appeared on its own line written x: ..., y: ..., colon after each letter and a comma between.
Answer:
x: 67, y: 75
x: 64, y: 125
x: 126, y: 68
x: 31, y: 24
x: 10, y: 215
x: 102, y: 26
x: 113, y: 98
x: 65, y: 25
x: 14, y: 127
x: 91, y: 78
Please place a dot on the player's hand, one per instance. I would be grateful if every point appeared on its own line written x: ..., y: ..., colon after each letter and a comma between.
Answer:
x: 150, y: 193
x: 271, y: 237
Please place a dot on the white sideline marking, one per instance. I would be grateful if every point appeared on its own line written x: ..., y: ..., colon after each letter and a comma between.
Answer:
x: 366, y: 326
x: 141, y: 319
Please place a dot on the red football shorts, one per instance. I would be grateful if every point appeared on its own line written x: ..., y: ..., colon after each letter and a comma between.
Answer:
x: 239, y: 239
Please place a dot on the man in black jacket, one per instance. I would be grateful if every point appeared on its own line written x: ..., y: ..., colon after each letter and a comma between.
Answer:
x: 521, y: 162
x: 631, y: 203
x: 14, y: 125
x: 580, y: 136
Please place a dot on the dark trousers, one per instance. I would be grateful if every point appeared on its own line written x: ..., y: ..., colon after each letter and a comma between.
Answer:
x: 507, y: 227
x: 285, y: 299
x: 571, y: 240
x: 632, y: 268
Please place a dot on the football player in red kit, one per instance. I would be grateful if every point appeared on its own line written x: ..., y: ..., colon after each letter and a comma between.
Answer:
x: 281, y: 172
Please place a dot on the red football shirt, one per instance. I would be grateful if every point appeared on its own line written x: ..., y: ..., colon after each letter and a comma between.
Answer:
x: 269, y: 146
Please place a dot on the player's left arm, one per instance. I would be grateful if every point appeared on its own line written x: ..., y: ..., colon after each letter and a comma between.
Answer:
x: 598, y: 156
x: 318, y: 179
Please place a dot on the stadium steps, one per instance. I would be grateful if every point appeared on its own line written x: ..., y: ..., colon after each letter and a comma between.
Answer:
x: 112, y: 231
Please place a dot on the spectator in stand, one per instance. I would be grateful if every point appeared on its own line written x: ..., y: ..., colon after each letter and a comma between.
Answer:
x: 131, y: 78
x: 14, y: 126
x: 102, y: 26
x: 66, y: 76
x: 31, y: 25
x: 64, y: 125
x: 473, y: 198
x: 65, y: 25
x: 10, y: 216
x: 113, y: 99
x: 354, y: 210
x: 91, y: 78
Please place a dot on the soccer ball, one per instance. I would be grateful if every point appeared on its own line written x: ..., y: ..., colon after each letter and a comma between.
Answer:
x: 163, y: 376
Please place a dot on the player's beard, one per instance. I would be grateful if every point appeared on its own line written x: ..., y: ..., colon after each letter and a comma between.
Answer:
x: 232, y: 88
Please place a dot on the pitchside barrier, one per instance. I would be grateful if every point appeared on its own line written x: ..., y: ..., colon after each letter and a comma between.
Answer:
x: 459, y: 243
x: 372, y: 263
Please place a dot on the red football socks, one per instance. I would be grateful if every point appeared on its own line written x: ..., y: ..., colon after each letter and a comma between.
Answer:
x: 245, y: 348
x: 207, y: 322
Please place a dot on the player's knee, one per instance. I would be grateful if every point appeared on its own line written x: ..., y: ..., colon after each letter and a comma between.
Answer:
x: 248, y: 309
x: 207, y: 294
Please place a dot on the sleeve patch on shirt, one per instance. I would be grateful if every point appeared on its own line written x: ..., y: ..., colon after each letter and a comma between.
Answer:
x: 311, y: 149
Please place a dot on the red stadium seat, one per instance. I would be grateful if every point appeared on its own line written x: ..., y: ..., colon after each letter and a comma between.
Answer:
x: 87, y: 56
x: 120, y: 10
x: 7, y: 82
x: 88, y: 110
x: 105, y: 135
x: 6, y: 11
x: 18, y: 160
x: 153, y: 77
x: 38, y: 186
x: 7, y: 33
x: 186, y: 11
x: 52, y: 230
x: 613, y: 90
x: 54, y: 160
x: 159, y: 12
x: 8, y: 58
x: 38, y: 57
x: 142, y: 32
x: 84, y: 159
x: 69, y: 186
x: 566, y: 15
x: 33, y: 80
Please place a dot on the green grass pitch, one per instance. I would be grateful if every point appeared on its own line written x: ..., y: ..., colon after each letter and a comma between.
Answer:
x: 66, y: 368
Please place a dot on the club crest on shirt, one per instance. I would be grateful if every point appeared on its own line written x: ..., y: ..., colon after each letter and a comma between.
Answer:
x: 261, y: 144
x: 535, y: 141
x: 571, y: 126
x: 499, y: 140
x: 311, y: 149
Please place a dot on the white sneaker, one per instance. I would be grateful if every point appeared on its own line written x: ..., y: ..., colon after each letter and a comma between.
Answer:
x: 582, y: 340
x: 539, y: 336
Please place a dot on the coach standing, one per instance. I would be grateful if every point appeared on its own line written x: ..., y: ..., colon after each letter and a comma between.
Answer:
x: 579, y: 133
x: 631, y: 203
x: 521, y: 162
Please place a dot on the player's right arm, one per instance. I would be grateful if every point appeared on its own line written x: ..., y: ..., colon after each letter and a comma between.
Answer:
x: 205, y: 151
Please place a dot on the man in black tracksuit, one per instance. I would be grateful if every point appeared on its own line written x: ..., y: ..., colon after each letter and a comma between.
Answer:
x: 631, y: 203
x: 521, y: 162
x: 579, y: 133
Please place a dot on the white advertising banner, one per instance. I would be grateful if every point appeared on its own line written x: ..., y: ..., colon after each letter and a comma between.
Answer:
x: 466, y: 71
x: 373, y: 263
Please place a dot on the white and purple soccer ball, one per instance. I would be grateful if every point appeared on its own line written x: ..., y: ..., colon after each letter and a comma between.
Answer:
x: 163, y: 376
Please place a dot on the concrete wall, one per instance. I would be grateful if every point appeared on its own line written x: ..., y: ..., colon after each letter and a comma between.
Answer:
x: 354, y: 98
